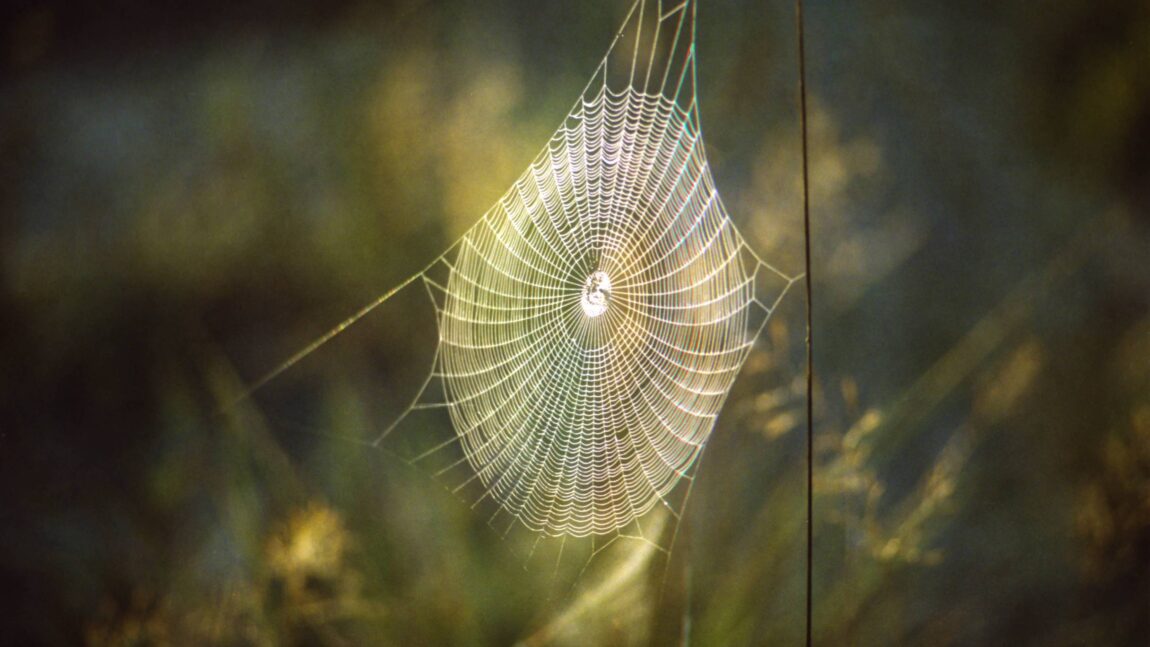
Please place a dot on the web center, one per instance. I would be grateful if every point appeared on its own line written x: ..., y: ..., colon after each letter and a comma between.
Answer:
x: 596, y: 294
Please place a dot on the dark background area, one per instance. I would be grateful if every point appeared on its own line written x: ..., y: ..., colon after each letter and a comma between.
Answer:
x: 190, y: 192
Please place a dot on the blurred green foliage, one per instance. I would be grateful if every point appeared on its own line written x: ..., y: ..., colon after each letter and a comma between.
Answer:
x: 190, y: 193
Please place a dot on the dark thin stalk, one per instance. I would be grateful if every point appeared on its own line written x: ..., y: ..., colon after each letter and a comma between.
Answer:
x: 810, y: 354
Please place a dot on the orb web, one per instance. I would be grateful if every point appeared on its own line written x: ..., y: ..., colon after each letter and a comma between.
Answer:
x: 593, y: 321
x: 585, y: 364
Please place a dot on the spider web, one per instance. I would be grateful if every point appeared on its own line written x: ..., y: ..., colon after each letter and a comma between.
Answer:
x: 591, y: 324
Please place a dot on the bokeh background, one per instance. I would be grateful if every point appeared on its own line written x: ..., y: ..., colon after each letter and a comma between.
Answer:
x: 190, y: 192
